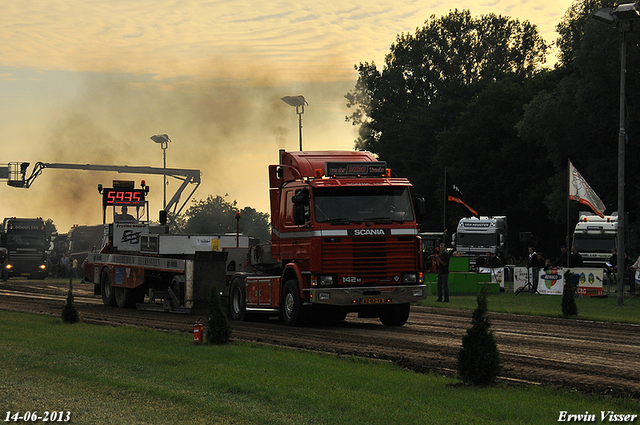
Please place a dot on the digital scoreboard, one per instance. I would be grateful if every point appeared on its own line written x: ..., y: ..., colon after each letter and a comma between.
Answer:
x: 123, y: 197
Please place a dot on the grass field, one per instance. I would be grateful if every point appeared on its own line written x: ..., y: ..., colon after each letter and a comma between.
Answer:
x: 124, y: 375
x: 589, y: 308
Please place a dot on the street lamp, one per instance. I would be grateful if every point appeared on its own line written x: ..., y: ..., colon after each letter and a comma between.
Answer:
x: 299, y: 103
x: 622, y: 18
x: 163, y: 140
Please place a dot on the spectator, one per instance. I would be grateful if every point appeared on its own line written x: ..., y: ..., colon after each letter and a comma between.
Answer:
x: 561, y: 261
x: 629, y: 273
x: 533, y: 258
x: 443, y: 274
x: 575, y: 260
x: 494, y: 261
x: 64, y: 265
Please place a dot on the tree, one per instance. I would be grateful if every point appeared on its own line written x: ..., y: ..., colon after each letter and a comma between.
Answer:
x: 49, y: 227
x: 218, y: 327
x: 216, y: 215
x: 569, y: 307
x: 69, y: 312
x: 430, y: 79
x: 479, y: 359
x: 578, y: 117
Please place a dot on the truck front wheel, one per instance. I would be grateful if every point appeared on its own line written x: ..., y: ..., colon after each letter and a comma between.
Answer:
x: 291, y: 306
x: 395, y: 315
x: 108, y: 296
x: 237, y: 300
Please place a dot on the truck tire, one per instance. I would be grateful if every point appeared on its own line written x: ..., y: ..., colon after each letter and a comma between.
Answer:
x: 395, y: 315
x: 292, y: 310
x: 108, y: 296
x: 123, y: 297
x: 237, y: 300
x: 139, y: 294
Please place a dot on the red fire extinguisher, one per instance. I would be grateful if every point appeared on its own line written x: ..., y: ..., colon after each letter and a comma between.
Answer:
x: 197, y: 332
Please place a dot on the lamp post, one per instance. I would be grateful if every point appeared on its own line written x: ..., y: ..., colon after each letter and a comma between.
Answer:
x: 299, y: 103
x: 163, y: 140
x: 622, y: 18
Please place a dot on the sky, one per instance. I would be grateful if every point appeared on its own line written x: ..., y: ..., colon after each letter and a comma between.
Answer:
x: 89, y: 82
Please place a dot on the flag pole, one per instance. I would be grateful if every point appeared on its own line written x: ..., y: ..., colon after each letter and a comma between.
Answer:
x: 568, y: 205
x: 444, y: 209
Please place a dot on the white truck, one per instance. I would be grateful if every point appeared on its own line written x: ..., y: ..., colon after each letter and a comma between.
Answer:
x: 595, y: 237
x: 479, y: 235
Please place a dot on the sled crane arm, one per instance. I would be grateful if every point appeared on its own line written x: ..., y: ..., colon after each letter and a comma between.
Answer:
x: 16, y: 176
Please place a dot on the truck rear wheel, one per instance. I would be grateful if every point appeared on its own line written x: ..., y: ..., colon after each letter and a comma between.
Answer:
x: 292, y: 310
x: 237, y: 300
x: 123, y: 297
x: 108, y: 296
x: 395, y: 315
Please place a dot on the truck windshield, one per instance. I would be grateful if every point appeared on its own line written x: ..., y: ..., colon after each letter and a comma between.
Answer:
x: 27, y: 240
x: 362, y: 203
x: 477, y: 239
x: 586, y: 243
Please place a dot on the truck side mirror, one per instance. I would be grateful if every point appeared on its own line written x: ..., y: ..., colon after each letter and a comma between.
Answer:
x: 420, y: 206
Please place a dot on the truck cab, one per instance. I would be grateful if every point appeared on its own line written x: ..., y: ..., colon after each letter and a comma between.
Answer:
x: 595, y: 237
x: 344, y: 237
x: 479, y: 235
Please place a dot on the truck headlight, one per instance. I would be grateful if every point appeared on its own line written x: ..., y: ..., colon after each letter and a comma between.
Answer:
x: 325, y: 280
x: 410, y: 278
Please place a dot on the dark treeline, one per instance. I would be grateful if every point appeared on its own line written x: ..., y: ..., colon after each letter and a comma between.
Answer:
x: 474, y: 95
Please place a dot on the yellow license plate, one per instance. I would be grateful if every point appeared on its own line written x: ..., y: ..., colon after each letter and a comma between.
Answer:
x: 372, y: 301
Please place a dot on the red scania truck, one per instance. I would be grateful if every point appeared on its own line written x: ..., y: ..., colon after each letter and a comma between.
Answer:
x: 344, y: 239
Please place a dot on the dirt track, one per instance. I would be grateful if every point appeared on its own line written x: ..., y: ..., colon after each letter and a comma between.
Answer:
x: 588, y: 356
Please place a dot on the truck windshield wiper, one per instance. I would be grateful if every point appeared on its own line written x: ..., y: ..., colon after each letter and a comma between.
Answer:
x: 385, y: 219
x: 338, y: 220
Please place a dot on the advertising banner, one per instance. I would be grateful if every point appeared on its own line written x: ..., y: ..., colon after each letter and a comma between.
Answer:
x: 589, y: 280
x: 521, y: 275
x: 126, y: 237
x: 497, y: 274
x: 551, y: 282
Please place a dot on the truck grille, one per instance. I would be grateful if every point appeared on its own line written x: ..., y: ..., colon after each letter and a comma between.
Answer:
x: 372, y: 259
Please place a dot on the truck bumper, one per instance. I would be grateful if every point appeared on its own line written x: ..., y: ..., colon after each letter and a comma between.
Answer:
x: 354, y: 296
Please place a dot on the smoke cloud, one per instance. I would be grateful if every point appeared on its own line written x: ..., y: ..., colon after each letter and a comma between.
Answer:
x: 229, y: 130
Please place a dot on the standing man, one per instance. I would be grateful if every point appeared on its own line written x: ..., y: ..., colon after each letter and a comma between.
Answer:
x: 532, y: 267
x: 575, y: 259
x: 562, y: 259
x: 75, y: 268
x: 443, y: 273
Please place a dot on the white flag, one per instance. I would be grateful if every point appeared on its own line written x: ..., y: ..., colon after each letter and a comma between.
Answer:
x: 580, y: 191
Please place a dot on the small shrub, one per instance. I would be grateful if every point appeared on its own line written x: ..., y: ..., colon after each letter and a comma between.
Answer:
x: 569, y: 307
x: 69, y: 312
x: 218, y: 327
x: 479, y: 359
